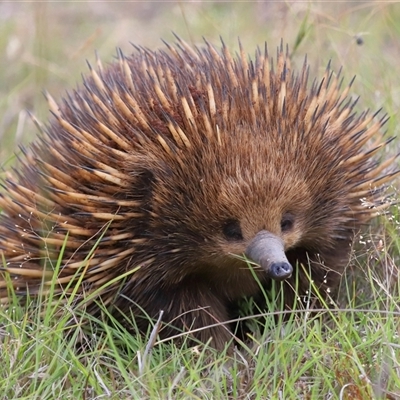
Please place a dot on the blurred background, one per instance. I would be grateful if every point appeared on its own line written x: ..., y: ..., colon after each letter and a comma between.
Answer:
x: 44, y: 46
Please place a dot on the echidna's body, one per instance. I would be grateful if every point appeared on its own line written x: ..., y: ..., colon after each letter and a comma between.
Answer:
x: 177, y: 162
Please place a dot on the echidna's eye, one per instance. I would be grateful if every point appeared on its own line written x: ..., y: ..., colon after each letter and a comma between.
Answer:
x: 287, y: 222
x: 232, y: 230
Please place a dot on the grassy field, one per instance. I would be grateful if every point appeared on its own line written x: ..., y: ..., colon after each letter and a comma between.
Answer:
x: 352, y: 354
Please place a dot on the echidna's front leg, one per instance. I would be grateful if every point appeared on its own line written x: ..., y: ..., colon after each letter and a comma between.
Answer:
x: 193, y: 309
x: 202, y: 315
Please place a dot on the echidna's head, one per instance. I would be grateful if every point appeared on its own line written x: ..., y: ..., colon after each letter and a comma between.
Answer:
x: 238, y: 197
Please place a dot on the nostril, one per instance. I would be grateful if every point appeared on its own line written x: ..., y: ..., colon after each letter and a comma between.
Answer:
x: 280, y: 271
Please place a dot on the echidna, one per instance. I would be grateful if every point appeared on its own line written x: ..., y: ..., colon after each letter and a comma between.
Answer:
x: 168, y: 166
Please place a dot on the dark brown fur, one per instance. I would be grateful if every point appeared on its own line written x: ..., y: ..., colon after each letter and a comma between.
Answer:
x: 174, y: 161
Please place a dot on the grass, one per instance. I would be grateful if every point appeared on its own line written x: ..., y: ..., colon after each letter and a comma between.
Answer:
x: 354, y: 356
x: 353, y: 353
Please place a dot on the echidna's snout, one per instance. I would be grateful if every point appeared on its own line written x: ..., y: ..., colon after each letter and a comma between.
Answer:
x: 267, y: 250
